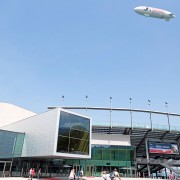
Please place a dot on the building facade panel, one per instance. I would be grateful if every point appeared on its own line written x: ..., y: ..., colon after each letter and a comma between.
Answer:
x: 111, y: 139
x: 55, y: 133
x: 40, y: 133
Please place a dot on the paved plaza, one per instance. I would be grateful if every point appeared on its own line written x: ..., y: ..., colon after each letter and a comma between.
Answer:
x: 66, y: 178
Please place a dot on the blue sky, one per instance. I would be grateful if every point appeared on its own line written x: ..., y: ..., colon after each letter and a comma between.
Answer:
x: 99, y: 48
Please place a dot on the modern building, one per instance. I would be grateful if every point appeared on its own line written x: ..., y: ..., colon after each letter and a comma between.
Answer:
x: 59, y: 139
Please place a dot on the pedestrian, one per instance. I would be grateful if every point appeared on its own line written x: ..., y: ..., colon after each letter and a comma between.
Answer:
x: 78, y: 174
x: 33, y: 173
x: 116, y: 175
x: 30, y: 173
x: 171, y: 176
x: 103, y: 175
x: 71, y: 175
x: 39, y: 173
x: 81, y: 174
x: 74, y: 175
x: 108, y: 175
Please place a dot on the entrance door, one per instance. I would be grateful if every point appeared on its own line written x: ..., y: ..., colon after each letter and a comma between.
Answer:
x: 89, y: 170
x: 76, y: 168
x: 5, y: 168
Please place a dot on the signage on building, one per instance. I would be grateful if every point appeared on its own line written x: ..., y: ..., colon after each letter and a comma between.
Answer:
x: 163, y: 148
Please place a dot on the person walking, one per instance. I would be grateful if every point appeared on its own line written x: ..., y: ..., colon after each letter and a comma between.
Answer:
x: 30, y: 173
x: 78, y: 174
x: 171, y: 176
x: 103, y: 175
x: 108, y: 175
x: 81, y: 174
x: 39, y: 173
x: 116, y: 175
x: 71, y: 175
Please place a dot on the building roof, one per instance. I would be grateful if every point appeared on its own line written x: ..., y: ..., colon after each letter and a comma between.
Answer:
x: 138, y: 132
x: 139, y: 135
x: 10, y: 113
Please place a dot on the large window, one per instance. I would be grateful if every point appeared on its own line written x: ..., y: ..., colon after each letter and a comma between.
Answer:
x: 74, y: 134
x: 113, y: 153
x: 11, y: 144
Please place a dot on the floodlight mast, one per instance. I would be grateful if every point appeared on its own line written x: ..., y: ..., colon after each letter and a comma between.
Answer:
x: 110, y: 111
x: 131, y: 112
x: 149, y: 103
x: 168, y: 115
x: 86, y: 102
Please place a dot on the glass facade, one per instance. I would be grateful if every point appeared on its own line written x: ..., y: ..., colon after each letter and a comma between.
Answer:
x: 18, y: 145
x: 74, y: 134
x: 104, y: 157
x: 11, y: 144
x: 114, y: 154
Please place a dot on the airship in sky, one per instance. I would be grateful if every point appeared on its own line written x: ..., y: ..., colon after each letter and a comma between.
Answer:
x: 154, y: 12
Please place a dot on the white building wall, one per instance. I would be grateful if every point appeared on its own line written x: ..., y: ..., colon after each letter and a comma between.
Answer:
x: 10, y: 114
x: 40, y: 133
x: 111, y: 139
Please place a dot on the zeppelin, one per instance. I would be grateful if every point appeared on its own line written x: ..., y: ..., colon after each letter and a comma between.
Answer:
x: 154, y: 12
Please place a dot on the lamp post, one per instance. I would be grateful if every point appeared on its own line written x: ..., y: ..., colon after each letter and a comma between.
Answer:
x: 62, y: 100
x: 167, y: 114
x: 86, y: 102
x: 146, y: 141
x: 149, y: 103
x: 131, y: 111
x: 110, y: 110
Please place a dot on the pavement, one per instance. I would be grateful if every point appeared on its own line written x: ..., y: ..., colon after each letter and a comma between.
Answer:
x: 66, y: 178
x: 24, y: 178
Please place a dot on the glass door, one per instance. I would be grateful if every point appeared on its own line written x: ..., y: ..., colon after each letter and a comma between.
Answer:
x: 89, y: 170
x: 76, y: 168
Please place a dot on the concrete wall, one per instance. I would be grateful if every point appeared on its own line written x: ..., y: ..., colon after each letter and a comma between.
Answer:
x: 111, y: 139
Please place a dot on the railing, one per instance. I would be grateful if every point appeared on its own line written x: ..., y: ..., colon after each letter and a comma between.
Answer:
x: 169, y: 162
x: 135, y: 125
x: 172, y: 168
x: 131, y: 124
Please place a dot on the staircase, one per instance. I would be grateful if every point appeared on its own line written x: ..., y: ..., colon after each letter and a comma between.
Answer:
x: 170, y: 167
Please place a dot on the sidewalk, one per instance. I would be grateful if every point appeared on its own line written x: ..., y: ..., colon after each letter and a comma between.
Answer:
x: 66, y: 178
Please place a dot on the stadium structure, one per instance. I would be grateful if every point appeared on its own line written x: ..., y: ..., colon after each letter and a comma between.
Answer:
x: 63, y: 138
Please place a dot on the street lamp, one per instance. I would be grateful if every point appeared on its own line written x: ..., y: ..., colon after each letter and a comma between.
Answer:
x: 86, y: 102
x: 110, y: 111
x: 167, y: 114
x: 149, y: 103
x: 131, y: 110
x: 62, y: 100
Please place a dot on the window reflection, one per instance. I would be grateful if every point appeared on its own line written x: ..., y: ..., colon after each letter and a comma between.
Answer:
x: 74, y: 134
x: 11, y: 144
x: 113, y: 153
x: 63, y: 143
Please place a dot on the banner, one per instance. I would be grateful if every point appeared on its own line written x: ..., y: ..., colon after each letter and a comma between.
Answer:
x: 163, y: 148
